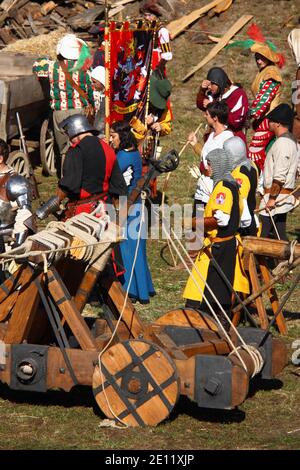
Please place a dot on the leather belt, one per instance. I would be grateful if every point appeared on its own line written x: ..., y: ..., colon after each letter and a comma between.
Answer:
x: 282, y: 191
x: 221, y: 239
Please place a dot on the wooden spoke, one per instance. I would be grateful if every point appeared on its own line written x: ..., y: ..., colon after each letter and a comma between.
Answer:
x: 47, y: 149
x: 19, y: 162
x: 140, y: 381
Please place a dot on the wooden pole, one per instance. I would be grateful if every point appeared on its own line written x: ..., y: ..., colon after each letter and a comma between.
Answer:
x: 164, y: 195
x: 220, y: 45
x: 177, y: 26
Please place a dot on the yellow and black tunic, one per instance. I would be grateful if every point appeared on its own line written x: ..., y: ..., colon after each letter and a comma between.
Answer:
x: 224, y: 245
x: 247, y: 180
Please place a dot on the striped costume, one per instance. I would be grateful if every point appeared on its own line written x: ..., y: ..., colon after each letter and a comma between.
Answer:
x: 62, y: 94
x: 266, y: 88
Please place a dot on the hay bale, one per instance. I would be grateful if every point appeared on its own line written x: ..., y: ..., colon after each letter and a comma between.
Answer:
x: 42, y: 45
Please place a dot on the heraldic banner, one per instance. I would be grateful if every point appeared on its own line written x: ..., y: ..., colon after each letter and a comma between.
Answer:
x: 131, y: 49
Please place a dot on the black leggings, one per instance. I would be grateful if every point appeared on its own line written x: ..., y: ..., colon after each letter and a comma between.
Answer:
x: 268, y: 230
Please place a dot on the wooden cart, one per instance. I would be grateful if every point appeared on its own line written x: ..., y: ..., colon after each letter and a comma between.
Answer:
x: 137, y: 370
x: 22, y: 92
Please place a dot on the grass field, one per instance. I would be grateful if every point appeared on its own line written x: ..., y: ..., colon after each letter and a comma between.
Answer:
x: 270, y: 417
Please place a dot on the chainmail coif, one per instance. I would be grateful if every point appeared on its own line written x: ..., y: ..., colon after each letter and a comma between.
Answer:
x: 220, y: 163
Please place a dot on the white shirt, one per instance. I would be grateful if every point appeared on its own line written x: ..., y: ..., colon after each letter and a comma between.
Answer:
x: 205, y: 183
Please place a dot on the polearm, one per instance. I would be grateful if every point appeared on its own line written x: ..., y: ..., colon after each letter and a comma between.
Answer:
x: 25, y: 151
x: 107, y: 81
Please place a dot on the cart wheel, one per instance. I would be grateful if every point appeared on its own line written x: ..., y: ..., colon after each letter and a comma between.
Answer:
x: 47, y: 151
x: 19, y: 162
x: 141, y: 383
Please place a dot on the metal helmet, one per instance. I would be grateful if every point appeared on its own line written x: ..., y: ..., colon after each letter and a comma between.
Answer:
x: 237, y: 151
x: 18, y: 189
x: 76, y: 124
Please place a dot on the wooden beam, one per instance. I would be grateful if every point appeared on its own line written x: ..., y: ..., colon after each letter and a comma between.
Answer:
x: 69, y: 311
x: 216, y: 39
x: 272, y: 295
x: 221, y: 44
x: 261, y: 310
x: 223, y: 6
x: 279, y: 249
x: 177, y: 26
x: 130, y: 317
x: 24, y: 310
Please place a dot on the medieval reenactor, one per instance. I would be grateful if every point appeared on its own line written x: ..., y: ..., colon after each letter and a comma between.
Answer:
x: 158, y: 122
x: 222, y: 243
x: 217, y: 87
x: 99, y: 55
x: 162, y: 52
x: 294, y: 43
x: 245, y: 174
x: 279, y: 173
x: 266, y: 89
x: 139, y: 281
x: 90, y: 171
x: 71, y: 89
x: 16, y: 220
x: 216, y: 115
x: 98, y: 83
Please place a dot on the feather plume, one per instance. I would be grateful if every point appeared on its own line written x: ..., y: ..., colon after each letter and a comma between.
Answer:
x: 281, y: 60
x: 271, y: 45
x: 246, y: 44
x: 84, y: 60
x: 255, y: 33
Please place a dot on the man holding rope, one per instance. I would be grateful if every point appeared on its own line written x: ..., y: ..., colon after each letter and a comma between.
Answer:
x: 279, y: 174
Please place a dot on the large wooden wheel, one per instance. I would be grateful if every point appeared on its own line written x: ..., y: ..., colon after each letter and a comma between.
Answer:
x: 140, y: 381
x: 187, y: 317
x: 47, y: 149
x: 19, y: 162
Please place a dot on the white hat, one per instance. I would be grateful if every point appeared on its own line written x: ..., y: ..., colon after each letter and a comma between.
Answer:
x: 69, y: 46
x: 98, y: 73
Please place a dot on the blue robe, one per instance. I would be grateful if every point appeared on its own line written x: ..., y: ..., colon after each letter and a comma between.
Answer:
x: 141, y: 287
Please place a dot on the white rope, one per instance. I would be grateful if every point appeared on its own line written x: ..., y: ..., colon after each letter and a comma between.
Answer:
x: 220, y: 306
x: 245, y: 346
x: 143, y: 196
x: 280, y: 268
x: 255, y: 355
x: 235, y: 349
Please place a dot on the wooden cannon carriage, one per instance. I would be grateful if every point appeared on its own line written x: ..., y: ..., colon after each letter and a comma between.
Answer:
x: 137, y: 370
x: 22, y: 92
x: 257, y: 252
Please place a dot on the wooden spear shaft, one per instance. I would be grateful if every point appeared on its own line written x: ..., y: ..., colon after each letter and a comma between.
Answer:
x: 281, y: 200
x: 164, y: 194
x: 180, y: 153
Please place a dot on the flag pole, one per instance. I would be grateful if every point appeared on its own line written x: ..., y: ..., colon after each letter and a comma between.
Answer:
x: 107, y: 81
